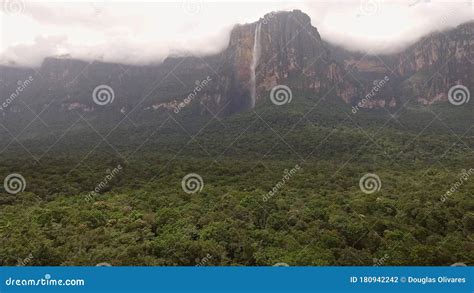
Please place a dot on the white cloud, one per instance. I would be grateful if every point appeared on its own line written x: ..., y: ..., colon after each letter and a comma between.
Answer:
x: 148, y: 31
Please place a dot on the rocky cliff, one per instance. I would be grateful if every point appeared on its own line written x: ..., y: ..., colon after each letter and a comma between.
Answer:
x: 281, y: 48
x: 290, y: 52
x: 425, y: 71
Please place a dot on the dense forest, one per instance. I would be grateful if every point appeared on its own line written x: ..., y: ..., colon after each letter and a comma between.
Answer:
x: 280, y: 186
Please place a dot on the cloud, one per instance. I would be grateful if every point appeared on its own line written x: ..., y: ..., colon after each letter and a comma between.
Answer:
x: 380, y: 26
x: 145, y: 32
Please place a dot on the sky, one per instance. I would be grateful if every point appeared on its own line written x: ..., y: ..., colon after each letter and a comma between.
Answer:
x: 145, y: 32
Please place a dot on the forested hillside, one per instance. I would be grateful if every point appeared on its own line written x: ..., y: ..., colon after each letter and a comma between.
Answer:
x: 280, y: 184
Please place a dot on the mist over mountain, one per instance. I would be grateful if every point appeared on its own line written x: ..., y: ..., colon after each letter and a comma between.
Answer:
x: 291, y: 52
x: 152, y: 31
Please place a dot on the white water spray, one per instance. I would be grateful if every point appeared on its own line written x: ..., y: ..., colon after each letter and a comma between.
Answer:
x: 253, y: 66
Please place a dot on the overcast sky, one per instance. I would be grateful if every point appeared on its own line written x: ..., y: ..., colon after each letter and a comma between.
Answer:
x: 147, y: 31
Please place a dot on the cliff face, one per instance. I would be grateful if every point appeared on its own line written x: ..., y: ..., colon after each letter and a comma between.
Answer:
x: 424, y: 71
x: 437, y: 62
x: 290, y: 52
x: 279, y: 49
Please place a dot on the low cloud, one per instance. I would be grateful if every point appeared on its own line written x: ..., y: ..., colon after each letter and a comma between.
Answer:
x: 147, y: 32
x: 380, y: 26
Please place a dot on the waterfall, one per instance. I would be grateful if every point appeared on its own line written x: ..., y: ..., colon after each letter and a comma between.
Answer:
x: 253, y: 66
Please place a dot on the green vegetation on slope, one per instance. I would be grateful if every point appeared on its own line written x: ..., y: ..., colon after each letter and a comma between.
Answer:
x: 318, y: 216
